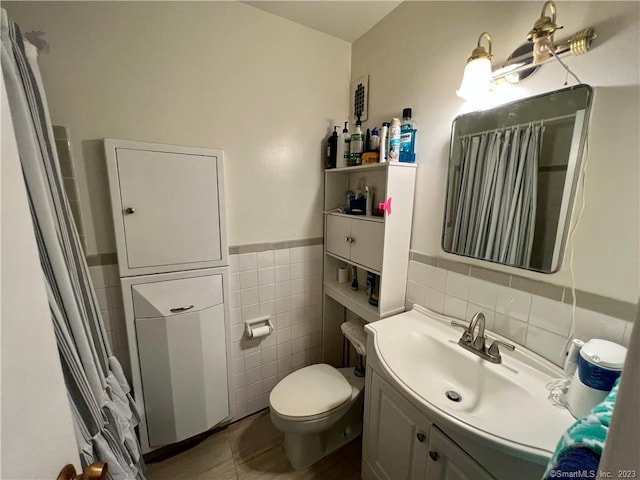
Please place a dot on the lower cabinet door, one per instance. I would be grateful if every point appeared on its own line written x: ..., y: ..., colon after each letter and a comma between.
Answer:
x: 338, y: 236
x: 396, y: 435
x: 367, y: 242
x: 184, y: 373
x: 447, y: 461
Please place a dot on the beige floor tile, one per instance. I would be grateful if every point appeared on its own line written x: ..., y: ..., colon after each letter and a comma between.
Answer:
x: 213, y: 452
x: 252, y: 450
x: 225, y: 471
x: 343, y: 464
x: 271, y: 464
x: 253, y: 436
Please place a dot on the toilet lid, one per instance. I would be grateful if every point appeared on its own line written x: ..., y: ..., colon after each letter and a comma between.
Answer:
x: 310, y: 391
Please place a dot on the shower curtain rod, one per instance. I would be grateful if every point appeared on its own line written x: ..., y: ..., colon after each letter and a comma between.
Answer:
x: 543, y: 121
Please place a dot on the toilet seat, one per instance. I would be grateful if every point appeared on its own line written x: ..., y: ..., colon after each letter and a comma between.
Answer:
x: 310, y: 392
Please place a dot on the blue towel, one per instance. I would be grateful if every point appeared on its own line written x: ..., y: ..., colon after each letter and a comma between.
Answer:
x: 587, y: 433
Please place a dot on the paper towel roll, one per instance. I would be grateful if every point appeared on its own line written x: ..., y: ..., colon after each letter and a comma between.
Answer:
x: 257, y: 332
x: 343, y: 275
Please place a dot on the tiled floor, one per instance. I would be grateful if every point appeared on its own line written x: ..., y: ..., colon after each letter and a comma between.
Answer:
x: 252, y: 449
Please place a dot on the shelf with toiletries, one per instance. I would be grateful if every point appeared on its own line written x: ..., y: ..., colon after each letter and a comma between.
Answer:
x: 370, y: 166
x: 375, y: 240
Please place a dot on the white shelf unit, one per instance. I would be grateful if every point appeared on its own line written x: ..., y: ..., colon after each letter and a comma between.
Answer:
x: 370, y: 243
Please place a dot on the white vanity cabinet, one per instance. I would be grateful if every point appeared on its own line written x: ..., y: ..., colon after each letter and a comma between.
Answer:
x: 400, y: 442
x: 396, y: 435
x: 377, y: 244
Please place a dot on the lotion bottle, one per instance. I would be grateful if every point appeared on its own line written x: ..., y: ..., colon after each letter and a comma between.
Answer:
x: 344, y: 139
x: 357, y: 145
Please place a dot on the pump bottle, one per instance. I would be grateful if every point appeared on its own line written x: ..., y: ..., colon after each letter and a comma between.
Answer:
x: 332, y: 149
x: 357, y: 145
x: 344, y: 139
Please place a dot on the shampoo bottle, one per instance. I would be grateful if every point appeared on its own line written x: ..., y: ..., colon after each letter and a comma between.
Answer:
x: 332, y: 149
x: 384, y: 142
x: 374, y: 141
x: 357, y: 145
x: 342, y: 157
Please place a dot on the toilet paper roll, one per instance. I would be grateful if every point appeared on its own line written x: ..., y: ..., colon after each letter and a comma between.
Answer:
x: 257, y: 332
x: 343, y: 275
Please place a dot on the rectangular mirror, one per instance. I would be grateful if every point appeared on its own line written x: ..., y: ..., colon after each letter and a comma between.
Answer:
x: 512, y: 176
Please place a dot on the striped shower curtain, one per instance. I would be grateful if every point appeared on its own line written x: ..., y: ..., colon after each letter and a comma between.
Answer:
x: 104, y: 412
x: 496, y: 212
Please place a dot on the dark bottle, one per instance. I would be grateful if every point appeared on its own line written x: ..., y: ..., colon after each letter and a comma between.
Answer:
x: 332, y: 150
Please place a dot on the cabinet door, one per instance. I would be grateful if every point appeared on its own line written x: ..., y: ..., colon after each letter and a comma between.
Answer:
x: 174, y: 198
x: 367, y: 244
x: 338, y: 234
x: 180, y: 335
x: 447, y: 461
x: 396, y: 435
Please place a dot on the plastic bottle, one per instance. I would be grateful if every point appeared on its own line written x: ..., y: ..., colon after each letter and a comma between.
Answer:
x: 332, y: 149
x: 374, y: 141
x: 357, y: 145
x: 394, y: 140
x: 342, y: 157
x: 368, y: 200
x: 354, y: 278
x: 384, y: 146
x: 407, y: 137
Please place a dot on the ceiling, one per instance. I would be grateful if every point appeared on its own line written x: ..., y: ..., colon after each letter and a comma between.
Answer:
x: 347, y: 20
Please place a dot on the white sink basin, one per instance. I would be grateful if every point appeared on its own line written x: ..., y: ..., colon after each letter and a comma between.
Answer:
x: 505, y: 404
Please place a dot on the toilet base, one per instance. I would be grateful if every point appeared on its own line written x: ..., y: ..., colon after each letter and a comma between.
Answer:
x: 303, y: 450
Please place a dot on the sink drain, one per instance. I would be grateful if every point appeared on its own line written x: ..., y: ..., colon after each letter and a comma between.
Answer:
x: 453, y: 396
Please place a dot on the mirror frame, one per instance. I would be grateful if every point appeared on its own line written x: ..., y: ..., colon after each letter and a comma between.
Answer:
x: 574, y: 167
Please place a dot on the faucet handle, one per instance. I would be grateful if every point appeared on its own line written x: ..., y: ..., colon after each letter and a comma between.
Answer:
x: 467, y: 336
x: 494, y: 351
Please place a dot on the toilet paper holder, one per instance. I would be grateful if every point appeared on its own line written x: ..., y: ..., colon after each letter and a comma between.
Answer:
x: 255, y: 328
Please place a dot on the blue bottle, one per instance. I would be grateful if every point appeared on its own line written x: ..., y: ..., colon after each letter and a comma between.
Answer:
x: 407, y: 137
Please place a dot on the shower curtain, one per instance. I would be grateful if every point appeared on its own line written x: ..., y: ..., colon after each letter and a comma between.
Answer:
x: 495, y: 215
x: 103, y: 410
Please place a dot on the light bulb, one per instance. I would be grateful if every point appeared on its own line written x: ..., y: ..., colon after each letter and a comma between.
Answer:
x: 477, y: 79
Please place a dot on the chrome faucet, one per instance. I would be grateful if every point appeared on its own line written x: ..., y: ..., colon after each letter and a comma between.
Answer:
x: 480, y: 340
x: 477, y: 344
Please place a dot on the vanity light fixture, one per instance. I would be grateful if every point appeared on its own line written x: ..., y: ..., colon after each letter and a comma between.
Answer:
x: 541, y: 35
x: 477, y: 74
x: 527, y: 58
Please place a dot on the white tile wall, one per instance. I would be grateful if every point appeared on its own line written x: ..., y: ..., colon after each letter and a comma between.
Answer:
x: 541, y: 324
x: 285, y: 284
x: 106, y: 283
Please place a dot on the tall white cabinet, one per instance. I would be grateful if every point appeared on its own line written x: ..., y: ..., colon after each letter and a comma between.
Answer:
x: 168, y: 212
x: 376, y: 244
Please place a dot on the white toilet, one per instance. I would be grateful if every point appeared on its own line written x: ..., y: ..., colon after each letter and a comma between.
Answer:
x: 319, y: 409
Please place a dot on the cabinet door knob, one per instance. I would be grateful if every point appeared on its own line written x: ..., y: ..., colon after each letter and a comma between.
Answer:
x: 434, y: 455
x: 349, y: 239
x: 420, y: 437
x: 129, y: 210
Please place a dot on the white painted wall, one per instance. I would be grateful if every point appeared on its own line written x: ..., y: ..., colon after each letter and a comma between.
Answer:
x: 209, y: 74
x: 36, y: 427
x: 415, y: 58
